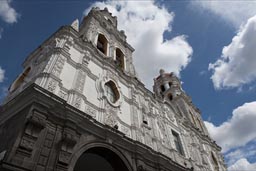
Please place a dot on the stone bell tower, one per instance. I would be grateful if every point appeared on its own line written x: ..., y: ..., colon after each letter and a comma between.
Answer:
x: 167, y: 86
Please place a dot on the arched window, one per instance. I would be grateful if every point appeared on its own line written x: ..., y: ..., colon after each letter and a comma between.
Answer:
x: 170, y: 84
x: 102, y: 44
x: 111, y: 91
x: 170, y: 97
x: 119, y: 58
x: 162, y: 88
x: 19, y: 80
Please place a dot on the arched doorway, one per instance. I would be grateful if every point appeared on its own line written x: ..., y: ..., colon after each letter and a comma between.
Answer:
x: 100, y: 159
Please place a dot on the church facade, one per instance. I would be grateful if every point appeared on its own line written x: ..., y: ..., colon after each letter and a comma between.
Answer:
x: 78, y: 105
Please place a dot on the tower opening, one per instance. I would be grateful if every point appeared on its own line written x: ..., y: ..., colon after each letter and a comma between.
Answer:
x: 170, y: 97
x: 100, y: 159
x: 162, y: 88
x: 102, y: 44
x: 119, y: 58
x: 170, y: 84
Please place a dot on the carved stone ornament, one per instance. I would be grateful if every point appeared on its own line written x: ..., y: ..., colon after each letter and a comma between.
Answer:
x: 110, y: 119
x: 112, y: 76
x: 63, y: 94
x: 51, y: 85
x: 168, y: 114
x: 80, y: 81
x: 60, y: 42
x: 139, y: 136
x: 69, y: 140
x: 163, y: 132
x: 89, y: 110
x: 27, y: 143
x: 204, y: 158
x: 135, y: 118
x: 111, y: 115
x: 125, y: 130
x: 77, y: 102
x: 35, y: 123
x: 58, y: 66
x: 64, y: 157
x: 87, y: 57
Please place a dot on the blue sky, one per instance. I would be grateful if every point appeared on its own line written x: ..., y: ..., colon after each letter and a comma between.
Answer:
x: 209, y: 44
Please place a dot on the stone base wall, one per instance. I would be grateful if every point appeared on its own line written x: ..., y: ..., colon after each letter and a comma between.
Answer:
x: 41, y: 132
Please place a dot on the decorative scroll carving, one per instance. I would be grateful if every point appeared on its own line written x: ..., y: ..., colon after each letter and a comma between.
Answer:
x: 87, y: 57
x: 32, y: 130
x: 92, y: 112
x: 59, y: 43
x: 79, y: 86
x: 69, y: 140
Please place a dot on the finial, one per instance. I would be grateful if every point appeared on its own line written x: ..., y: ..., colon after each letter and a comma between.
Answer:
x: 161, y: 72
x: 95, y: 8
x: 75, y: 25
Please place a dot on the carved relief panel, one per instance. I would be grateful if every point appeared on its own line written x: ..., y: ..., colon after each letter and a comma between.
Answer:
x: 110, y: 115
x: 80, y: 81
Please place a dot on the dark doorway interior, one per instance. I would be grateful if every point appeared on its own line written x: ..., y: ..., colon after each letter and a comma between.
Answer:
x: 99, y: 159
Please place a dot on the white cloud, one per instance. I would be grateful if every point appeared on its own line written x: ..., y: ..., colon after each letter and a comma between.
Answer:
x: 237, y: 137
x: 144, y: 23
x: 246, y: 151
x: 7, y: 13
x: 1, y: 75
x: 234, y: 12
x: 242, y: 165
x: 237, y: 64
x: 237, y: 131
